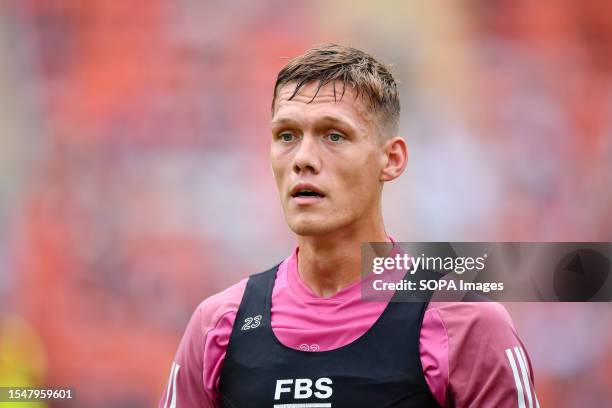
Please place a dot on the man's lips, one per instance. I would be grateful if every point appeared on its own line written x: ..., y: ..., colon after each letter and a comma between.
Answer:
x: 307, y: 200
x: 305, y: 193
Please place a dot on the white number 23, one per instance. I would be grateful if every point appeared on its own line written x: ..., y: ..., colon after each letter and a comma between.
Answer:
x: 251, y: 322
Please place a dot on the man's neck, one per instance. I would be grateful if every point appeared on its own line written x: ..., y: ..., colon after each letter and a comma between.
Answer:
x: 327, y: 264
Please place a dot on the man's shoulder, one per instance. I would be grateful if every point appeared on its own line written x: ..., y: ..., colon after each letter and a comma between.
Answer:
x: 473, y: 316
x: 224, y: 303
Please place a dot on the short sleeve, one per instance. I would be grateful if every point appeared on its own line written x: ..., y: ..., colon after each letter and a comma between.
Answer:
x: 195, y: 371
x: 488, y: 364
x: 185, y: 388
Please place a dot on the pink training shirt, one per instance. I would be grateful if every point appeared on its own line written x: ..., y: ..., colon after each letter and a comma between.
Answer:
x: 470, y: 352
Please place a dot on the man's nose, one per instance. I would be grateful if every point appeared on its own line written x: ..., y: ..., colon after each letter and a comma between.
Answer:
x: 307, y: 156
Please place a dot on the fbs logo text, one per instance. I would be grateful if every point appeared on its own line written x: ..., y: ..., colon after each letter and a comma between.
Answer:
x: 303, y: 388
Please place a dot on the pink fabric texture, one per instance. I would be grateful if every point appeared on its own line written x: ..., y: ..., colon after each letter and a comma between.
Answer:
x: 462, y: 345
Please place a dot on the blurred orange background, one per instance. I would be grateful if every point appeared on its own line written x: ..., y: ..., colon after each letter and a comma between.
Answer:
x: 135, y: 181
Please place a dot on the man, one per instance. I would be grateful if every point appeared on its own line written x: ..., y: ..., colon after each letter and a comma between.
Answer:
x: 299, y: 335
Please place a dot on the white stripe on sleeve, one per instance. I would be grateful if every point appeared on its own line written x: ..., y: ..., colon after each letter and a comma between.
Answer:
x: 523, y: 364
x: 517, y: 380
x: 169, y: 385
x: 535, y: 396
x: 173, y: 403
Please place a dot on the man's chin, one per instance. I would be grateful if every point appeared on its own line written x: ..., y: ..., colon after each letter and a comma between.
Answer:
x: 311, y: 227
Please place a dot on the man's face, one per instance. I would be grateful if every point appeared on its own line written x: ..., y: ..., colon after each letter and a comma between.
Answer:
x: 326, y: 157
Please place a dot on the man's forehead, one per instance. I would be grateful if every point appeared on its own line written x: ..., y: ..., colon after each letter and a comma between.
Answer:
x: 331, y: 93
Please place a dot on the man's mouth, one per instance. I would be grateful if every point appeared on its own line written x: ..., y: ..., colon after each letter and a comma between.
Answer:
x: 306, y: 194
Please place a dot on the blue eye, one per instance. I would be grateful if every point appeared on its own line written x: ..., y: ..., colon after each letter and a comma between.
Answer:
x: 286, y: 137
x: 335, y: 137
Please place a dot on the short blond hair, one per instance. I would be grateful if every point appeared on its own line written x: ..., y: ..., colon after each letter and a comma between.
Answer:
x: 370, y: 79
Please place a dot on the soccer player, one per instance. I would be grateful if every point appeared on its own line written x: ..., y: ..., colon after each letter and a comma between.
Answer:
x: 300, y: 335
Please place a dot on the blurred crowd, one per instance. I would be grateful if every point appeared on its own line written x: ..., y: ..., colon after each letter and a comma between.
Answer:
x: 134, y: 175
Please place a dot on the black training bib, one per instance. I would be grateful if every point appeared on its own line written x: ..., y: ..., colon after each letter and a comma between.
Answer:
x: 380, y: 369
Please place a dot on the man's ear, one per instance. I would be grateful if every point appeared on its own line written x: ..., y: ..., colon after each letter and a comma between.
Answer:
x: 395, y: 151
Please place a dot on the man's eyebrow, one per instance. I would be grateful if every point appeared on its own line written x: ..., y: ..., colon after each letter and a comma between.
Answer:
x: 331, y: 119
x: 281, y: 121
